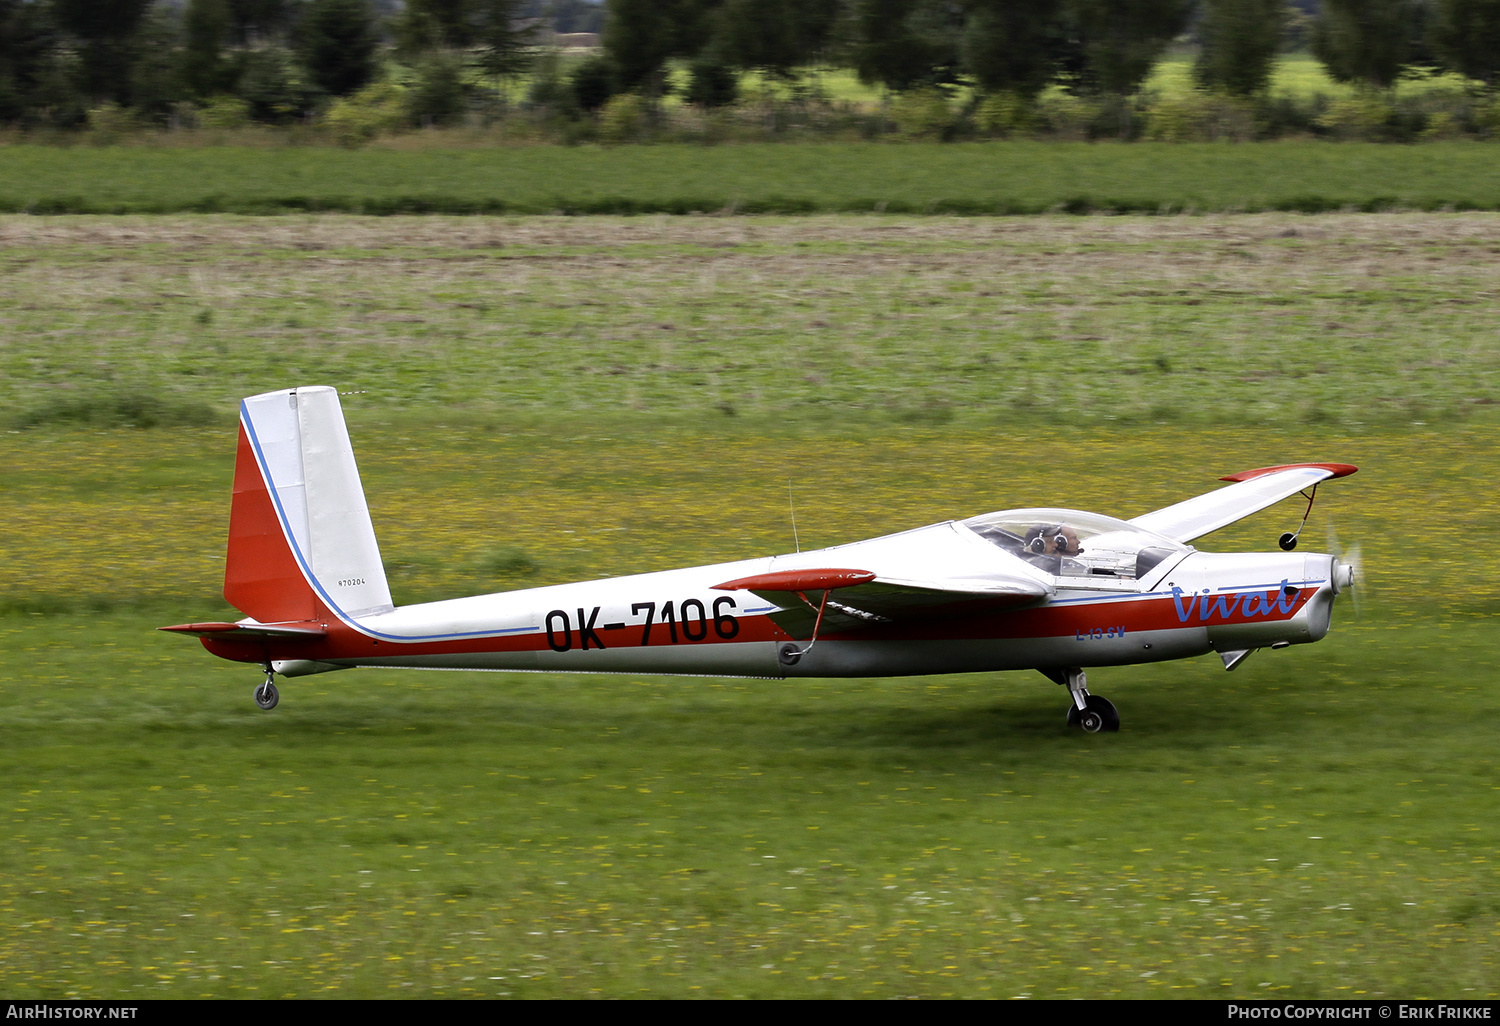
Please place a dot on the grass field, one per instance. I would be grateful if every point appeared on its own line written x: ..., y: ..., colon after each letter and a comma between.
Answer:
x: 553, y: 399
x: 1320, y: 823
x: 957, y: 178
x: 1270, y: 320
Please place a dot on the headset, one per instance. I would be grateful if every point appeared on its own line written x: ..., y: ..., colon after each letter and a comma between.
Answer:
x: 1036, y: 538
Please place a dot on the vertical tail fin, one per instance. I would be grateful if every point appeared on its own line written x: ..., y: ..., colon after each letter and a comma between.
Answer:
x: 301, y: 545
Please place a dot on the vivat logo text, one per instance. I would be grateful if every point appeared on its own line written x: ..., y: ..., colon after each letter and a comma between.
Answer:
x: 1281, y: 599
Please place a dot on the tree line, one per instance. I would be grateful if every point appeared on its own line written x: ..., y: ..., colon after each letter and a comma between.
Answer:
x: 283, y: 61
x: 1022, y: 47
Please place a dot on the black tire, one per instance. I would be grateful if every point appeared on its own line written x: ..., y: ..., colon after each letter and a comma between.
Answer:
x: 266, y: 696
x: 1109, y: 716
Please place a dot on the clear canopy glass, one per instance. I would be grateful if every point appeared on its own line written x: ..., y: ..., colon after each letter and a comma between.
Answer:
x: 1072, y: 543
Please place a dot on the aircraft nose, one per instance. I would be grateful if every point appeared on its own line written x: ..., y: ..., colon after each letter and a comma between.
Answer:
x: 1342, y: 575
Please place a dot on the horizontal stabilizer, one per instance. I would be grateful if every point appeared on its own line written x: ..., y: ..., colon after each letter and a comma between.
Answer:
x: 248, y: 631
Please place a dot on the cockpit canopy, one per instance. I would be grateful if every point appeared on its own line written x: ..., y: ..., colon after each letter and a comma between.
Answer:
x: 1072, y: 543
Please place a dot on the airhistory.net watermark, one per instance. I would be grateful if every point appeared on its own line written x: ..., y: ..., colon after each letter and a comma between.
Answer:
x: 42, y: 1010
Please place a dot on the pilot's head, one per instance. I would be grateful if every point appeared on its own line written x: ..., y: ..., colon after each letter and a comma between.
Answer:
x: 1053, y: 540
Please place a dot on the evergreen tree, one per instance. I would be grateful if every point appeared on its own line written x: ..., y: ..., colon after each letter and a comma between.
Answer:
x: 205, y: 29
x: 1013, y: 45
x: 905, y: 43
x: 266, y: 81
x: 504, y: 42
x: 640, y: 36
x: 105, y: 31
x: 27, y: 37
x: 434, y: 24
x: 440, y: 95
x: 155, y: 74
x: 776, y: 36
x: 1467, y: 37
x: 256, y: 22
x: 593, y: 82
x: 1116, y: 43
x: 337, y: 44
x: 1371, y: 42
x: 1240, y: 40
x: 711, y: 83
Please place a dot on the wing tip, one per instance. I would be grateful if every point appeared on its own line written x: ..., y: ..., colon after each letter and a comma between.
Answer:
x: 1334, y: 470
x: 820, y: 579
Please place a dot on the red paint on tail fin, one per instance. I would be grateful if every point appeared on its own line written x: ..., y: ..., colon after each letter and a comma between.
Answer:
x: 261, y: 575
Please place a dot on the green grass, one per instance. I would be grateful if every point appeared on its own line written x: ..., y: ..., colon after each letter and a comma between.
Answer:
x: 966, y: 178
x: 1266, y: 320
x: 564, y: 398
x: 1315, y: 825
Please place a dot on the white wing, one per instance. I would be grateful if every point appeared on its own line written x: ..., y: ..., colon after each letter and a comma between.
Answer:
x: 935, y: 571
x: 1253, y: 491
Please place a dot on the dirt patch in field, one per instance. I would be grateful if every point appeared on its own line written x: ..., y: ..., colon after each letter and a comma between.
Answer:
x: 335, y: 231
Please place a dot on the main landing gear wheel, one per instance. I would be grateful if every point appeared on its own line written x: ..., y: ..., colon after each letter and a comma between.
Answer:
x: 266, y: 695
x: 1097, y: 715
x: 1101, y: 716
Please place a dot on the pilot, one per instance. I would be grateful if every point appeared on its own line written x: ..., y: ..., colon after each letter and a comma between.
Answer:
x: 1047, y: 545
x: 1053, y: 540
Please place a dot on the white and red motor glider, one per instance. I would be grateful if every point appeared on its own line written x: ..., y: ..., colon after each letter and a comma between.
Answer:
x: 1053, y: 590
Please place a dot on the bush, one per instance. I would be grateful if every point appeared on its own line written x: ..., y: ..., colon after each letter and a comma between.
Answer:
x: 110, y: 122
x: 225, y: 113
x: 550, y: 94
x: 594, y: 82
x: 623, y: 118
x: 1487, y: 117
x: 1441, y: 125
x: 1357, y: 117
x: 1005, y: 114
x: 711, y: 83
x: 375, y: 109
x: 267, y: 83
x: 1199, y: 117
x: 1067, y: 116
x: 923, y: 114
x: 1283, y: 115
x: 439, y: 96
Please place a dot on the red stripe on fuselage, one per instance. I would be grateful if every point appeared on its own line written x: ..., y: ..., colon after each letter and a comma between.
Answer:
x: 1057, y: 620
x: 1131, y: 615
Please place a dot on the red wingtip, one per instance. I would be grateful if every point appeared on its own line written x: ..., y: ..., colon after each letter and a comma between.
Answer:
x: 1334, y: 470
x: 799, y: 580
